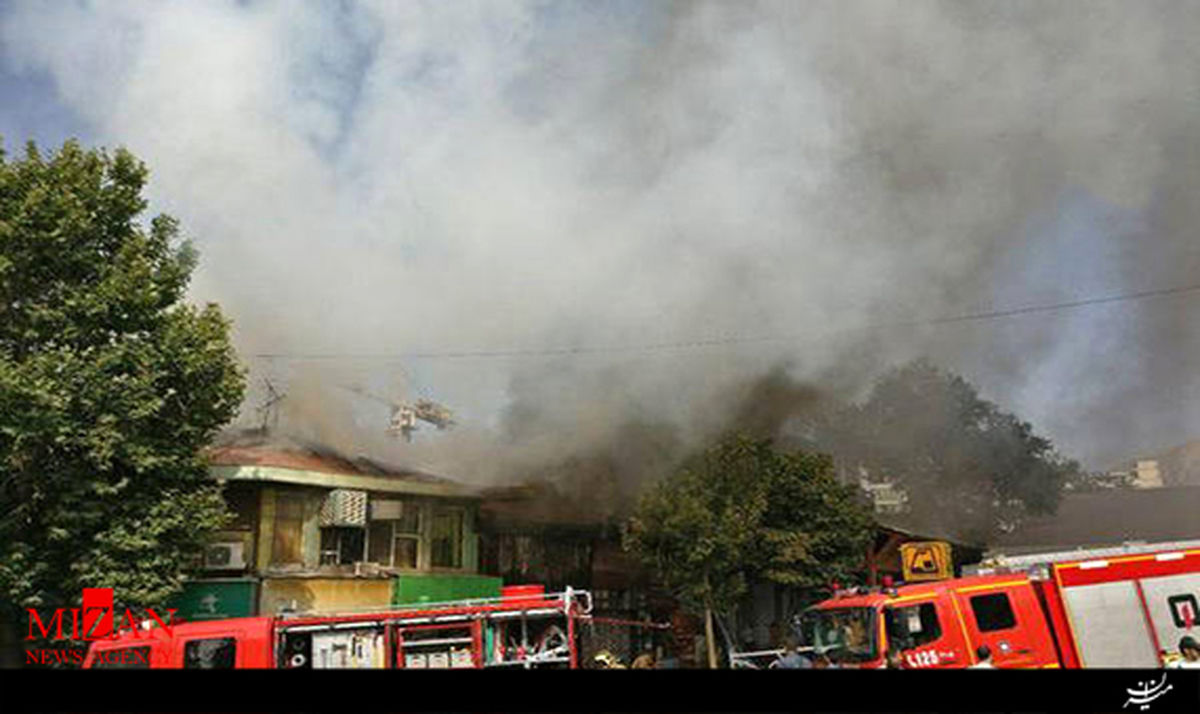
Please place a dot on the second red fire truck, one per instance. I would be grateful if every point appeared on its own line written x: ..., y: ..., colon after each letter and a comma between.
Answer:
x: 1116, y: 607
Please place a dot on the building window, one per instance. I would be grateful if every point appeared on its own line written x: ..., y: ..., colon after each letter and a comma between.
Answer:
x: 341, y: 545
x: 289, y: 529
x: 241, y: 501
x: 993, y: 612
x: 210, y: 654
x: 446, y: 538
x: 395, y: 542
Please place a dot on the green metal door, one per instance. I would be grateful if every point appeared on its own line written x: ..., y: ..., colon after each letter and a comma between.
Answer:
x: 217, y: 599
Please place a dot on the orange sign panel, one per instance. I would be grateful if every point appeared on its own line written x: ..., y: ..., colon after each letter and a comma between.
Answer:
x: 926, y: 561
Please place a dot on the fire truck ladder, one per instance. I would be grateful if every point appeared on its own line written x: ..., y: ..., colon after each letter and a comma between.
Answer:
x: 1037, y: 564
x: 570, y: 601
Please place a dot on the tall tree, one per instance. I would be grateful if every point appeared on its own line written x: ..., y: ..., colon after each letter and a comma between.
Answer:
x: 967, y: 466
x: 815, y: 529
x: 110, y: 386
x: 743, y: 511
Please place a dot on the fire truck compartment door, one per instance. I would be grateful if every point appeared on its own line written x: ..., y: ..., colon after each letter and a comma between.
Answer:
x: 1172, y: 603
x: 348, y: 649
x: 1110, y: 628
x: 1005, y: 619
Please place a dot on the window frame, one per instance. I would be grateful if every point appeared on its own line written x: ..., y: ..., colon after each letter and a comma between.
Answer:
x: 231, y: 640
x: 1011, y: 611
x: 460, y: 556
x: 892, y: 614
x: 242, y: 500
x: 291, y: 498
x: 339, y: 535
x: 415, y: 534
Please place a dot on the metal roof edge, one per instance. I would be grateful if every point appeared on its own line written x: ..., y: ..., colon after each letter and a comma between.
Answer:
x: 302, y: 477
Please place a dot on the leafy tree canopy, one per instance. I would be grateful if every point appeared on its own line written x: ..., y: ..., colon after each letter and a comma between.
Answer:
x: 742, y: 511
x: 110, y: 385
x: 968, y: 467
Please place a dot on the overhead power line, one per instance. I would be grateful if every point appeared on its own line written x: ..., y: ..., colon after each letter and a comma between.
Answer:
x: 733, y: 340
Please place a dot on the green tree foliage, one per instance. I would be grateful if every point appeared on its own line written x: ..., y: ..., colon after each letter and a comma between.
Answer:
x: 815, y: 529
x: 697, y: 529
x: 742, y: 511
x: 110, y: 386
x: 968, y: 467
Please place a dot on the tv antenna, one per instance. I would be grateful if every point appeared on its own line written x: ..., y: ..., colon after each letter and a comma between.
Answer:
x: 268, y: 411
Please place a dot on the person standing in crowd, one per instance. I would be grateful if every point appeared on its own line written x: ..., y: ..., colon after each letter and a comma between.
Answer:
x: 792, y: 658
x: 823, y: 662
x: 1190, y: 649
x: 984, y: 655
x: 645, y: 660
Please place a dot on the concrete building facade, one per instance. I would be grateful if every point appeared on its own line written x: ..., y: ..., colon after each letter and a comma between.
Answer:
x: 316, y: 531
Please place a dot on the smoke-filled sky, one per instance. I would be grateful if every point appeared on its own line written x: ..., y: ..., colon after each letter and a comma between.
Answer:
x: 391, y: 178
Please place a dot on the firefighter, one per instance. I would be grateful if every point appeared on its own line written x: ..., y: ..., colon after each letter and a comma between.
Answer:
x: 606, y: 660
x: 893, y: 659
x: 823, y: 662
x: 792, y: 659
x: 984, y: 653
x: 1190, y: 649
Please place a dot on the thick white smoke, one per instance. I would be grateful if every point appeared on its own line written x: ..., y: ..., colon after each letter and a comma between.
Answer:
x: 383, y: 178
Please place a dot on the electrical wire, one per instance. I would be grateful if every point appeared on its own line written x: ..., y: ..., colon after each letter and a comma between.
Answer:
x: 734, y: 340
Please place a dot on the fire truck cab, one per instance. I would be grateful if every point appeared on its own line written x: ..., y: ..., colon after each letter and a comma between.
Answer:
x: 240, y: 643
x: 933, y: 625
x: 1127, y: 606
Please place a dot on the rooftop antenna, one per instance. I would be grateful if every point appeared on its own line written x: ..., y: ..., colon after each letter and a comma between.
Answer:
x: 268, y: 412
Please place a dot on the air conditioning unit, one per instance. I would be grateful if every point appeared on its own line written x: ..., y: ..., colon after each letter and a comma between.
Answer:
x: 367, y: 570
x: 343, y: 507
x: 225, y: 556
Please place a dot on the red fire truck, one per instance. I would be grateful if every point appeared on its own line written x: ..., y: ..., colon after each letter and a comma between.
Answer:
x: 1115, y: 607
x: 524, y: 628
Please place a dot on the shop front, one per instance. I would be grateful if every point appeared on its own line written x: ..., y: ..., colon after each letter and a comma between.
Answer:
x: 216, y: 599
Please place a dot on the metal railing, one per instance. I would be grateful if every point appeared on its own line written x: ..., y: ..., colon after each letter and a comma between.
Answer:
x: 999, y: 563
x: 762, y: 659
x: 533, y: 601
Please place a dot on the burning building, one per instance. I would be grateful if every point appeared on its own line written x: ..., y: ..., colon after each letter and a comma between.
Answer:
x: 315, y: 530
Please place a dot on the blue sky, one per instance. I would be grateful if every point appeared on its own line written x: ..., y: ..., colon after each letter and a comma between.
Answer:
x: 32, y: 111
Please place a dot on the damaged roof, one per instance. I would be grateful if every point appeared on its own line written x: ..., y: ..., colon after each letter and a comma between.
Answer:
x: 255, y: 456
